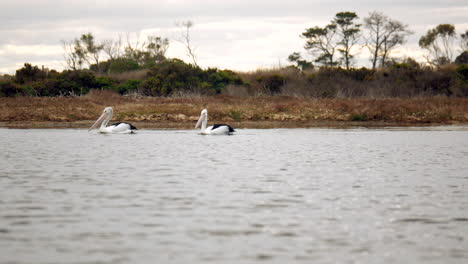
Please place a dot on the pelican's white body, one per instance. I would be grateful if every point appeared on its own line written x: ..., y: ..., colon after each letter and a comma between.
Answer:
x: 121, y: 128
x: 212, y: 130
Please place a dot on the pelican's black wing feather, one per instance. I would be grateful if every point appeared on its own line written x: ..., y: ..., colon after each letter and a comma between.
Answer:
x: 132, y: 127
x: 219, y: 125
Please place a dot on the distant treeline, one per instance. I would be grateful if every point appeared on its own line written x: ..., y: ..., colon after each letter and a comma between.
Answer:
x: 173, y: 77
x: 142, y: 68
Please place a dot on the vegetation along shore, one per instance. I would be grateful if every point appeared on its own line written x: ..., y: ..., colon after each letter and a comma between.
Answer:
x: 149, y: 89
x: 241, y: 112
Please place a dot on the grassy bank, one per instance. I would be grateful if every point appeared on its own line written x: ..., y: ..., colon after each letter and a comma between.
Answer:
x: 265, y: 111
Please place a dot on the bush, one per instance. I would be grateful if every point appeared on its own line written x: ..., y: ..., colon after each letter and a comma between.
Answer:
x: 103, y: 82
x: 8, y: 89
x: 27, y: 90
x: 462, y: 58
x: 272, y: 83
x: 177, y: 77
x: 462, y: 72
x: 361, y: 74
x: 29, y: 73
x: 127, y: 87
x: 460, y: 84
x: 120, y: 65
x: 174, y: 77
x: 359, y: 117
x: 217, y: 80
x: 75, y: 82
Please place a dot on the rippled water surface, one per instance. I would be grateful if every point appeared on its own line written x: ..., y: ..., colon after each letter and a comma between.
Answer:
x: 270, y: 196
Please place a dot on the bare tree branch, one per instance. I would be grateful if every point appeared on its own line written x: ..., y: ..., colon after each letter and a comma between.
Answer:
x: 384, y: 35
x: 185, y: 39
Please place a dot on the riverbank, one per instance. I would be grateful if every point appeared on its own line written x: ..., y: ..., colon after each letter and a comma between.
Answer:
x: 152, y: 125
x: 241, y: 112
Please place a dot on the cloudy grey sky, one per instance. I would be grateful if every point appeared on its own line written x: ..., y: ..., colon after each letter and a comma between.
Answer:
x: 236, y: 34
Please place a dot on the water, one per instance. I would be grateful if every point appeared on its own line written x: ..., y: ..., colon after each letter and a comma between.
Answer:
x: 261, y: 196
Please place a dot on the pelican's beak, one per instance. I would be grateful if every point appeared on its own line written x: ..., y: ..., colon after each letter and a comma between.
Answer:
x: 99, y: 121
x: 199, y: 121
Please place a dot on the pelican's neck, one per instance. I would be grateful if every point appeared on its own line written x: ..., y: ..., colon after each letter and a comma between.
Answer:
x: 203, y: 124
x: 106, y: 121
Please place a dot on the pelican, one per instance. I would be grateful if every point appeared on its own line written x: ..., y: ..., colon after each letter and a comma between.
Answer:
x: 216, y: 129
x: 122, y: 128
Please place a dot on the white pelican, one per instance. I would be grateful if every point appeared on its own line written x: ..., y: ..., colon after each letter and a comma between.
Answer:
x: 216, y: 129
x: 122, y: 128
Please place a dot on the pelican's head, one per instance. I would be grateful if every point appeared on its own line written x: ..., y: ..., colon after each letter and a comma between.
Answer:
x: 203, y: 117
x: 106, y: 114
x: 108, y: 110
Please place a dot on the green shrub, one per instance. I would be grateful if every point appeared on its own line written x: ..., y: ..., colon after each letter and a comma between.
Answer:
x: 175, y: 76
x: 462, y: 72
x: 120, y: 65
x: 8, y: 89
x: 462, y: 58
x: 236, y: 115
x: 127, y: 87
x: 28, y: 90
x: 272, y: 83
x: 104, y: 82
x: 75, y: 82
x: 361, y: 74
x: 359, y: 117
x: 29, y: 73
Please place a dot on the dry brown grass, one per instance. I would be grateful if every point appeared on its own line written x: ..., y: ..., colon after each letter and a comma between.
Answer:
x: 242, y: 111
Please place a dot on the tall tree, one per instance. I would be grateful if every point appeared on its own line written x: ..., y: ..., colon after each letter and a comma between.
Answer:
x: 91, y: 49
x: 72, y: 59
x: 81, y: 51
x: 396, y: 33
x: 439, y: 42
x: 464, y: 41
x: 157, y: 48
x: 348, y: 32
x: 186, y: 39
x: 383, y: 35
x: 148, y: 52
x: 322, y: 43
x: 112, y: 48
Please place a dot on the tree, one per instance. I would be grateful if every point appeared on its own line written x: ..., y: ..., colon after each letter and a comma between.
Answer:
x: 384, y: 34
x: 348, y: 32
x: 321, y: 43
x: 92, y: 50
x: 132, y: 50
x: 295, y: 57
x: 396, y: 34
x: 86, y: 51
x: 72, y: 58
x: 439, y: 41
x: 156, y: 48
x: 149, y: 52
x: 82, y: 50
x: 185, y: 39
x: 464, y: 41
x: 112, y: 48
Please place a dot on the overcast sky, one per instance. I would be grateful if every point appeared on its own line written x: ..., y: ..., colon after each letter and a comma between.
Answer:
x: 236, y: 34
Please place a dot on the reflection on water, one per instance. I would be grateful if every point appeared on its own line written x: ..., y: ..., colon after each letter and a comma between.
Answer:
x: 275, y: 196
